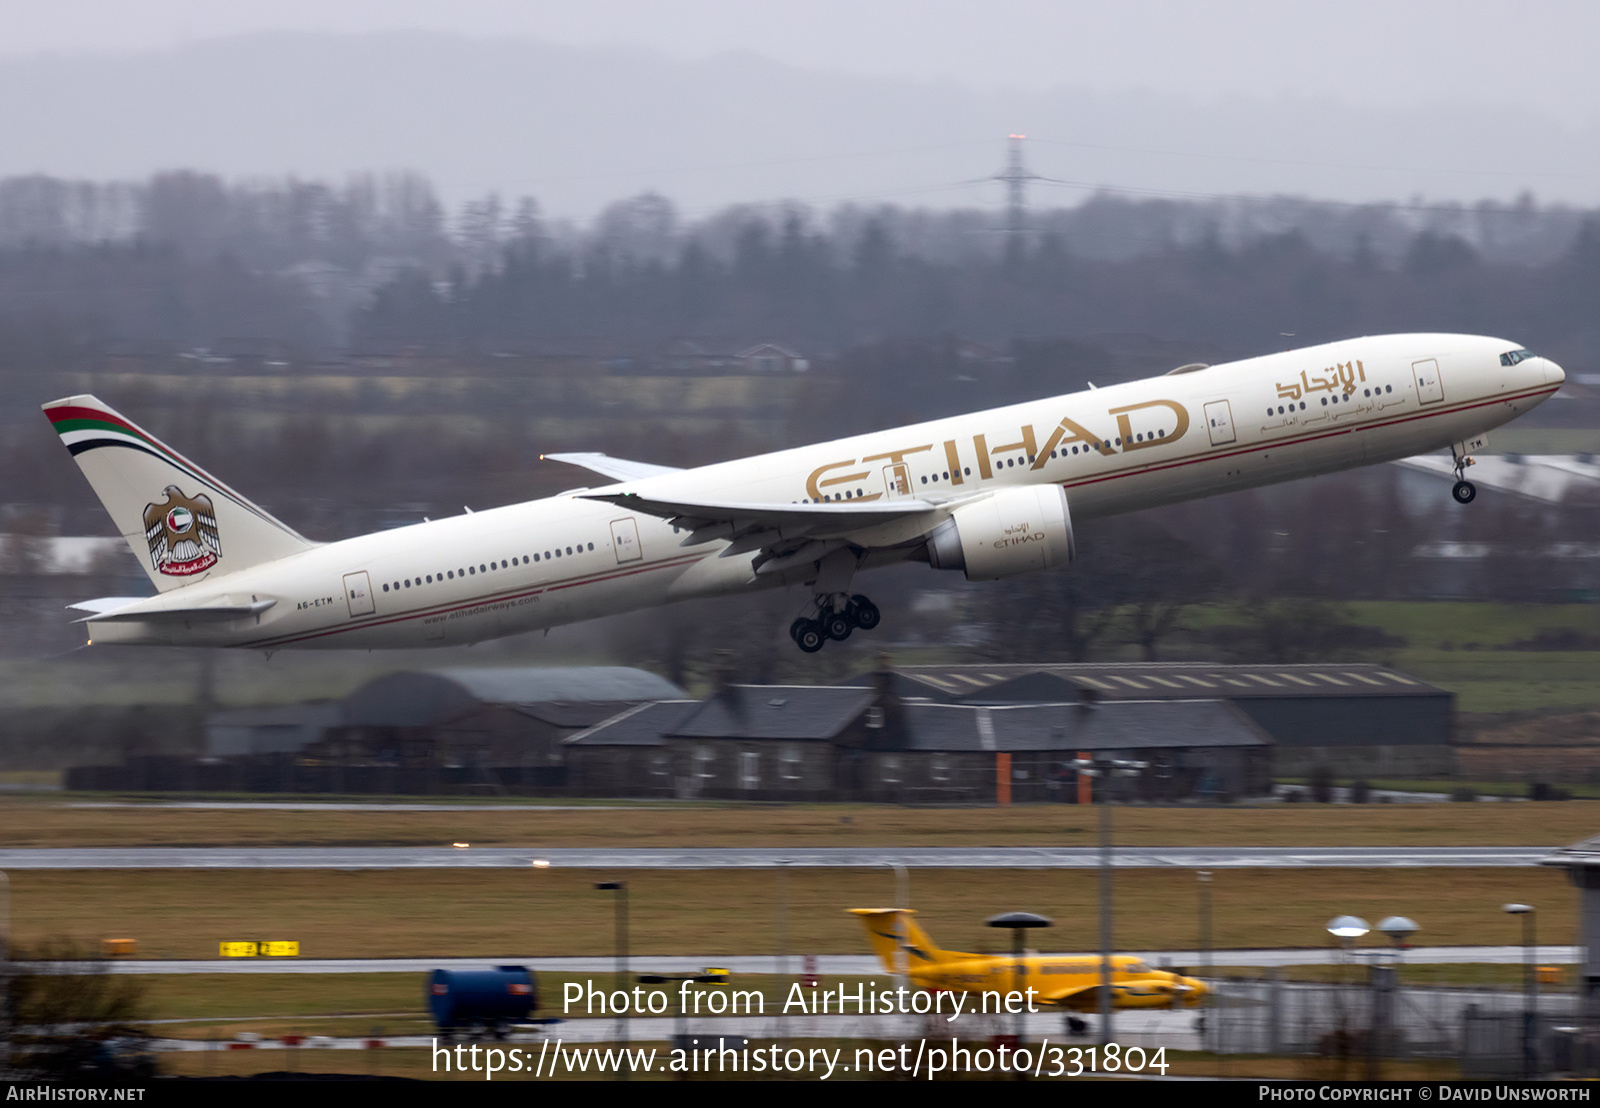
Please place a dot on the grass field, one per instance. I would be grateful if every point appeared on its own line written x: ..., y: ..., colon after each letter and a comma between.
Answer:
x: 1462, y: 646
x: 35, y: 822
x: 516, y: 913
x: 1510, y: 681
x: 1470, y: 625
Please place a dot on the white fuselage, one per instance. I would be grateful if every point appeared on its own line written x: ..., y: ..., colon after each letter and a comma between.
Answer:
x: 1114, y: 449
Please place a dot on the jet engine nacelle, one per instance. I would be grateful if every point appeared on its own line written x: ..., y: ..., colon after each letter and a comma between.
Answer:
x: 1014, y: 531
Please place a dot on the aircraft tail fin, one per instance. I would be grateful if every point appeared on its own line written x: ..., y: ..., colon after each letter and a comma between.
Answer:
x: 892, y: 929
x: 183, y: 524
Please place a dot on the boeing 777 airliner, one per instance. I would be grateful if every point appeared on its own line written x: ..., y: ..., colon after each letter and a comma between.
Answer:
x: 990, y: 494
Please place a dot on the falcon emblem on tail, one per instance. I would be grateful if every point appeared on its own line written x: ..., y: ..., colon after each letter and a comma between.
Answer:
x: 182, y: 533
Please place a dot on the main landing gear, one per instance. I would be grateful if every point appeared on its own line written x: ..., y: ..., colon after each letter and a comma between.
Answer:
x: 1464, y: 490
x: 834, y: 620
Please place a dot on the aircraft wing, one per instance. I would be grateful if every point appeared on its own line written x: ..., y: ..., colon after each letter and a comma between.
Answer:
x: 618, y: 469
x: 787, y: 534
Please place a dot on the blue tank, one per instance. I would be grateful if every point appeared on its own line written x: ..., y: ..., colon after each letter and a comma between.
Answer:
x: 487, y: 998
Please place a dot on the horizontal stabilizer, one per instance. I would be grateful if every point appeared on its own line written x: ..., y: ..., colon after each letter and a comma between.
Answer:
x: 137, y: 612
x: 107, y: 603
x: 618, y: 469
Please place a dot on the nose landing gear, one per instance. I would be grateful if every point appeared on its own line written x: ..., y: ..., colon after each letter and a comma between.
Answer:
x: 1464, y: 490
x: 834, y: 620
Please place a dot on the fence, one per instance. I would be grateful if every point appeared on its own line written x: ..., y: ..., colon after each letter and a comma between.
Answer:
x: 1375, y: 1018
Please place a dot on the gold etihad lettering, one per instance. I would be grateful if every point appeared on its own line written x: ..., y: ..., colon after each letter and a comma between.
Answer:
x: 1341, y: 377
x: 1064, y: 434
x: 1125, y: 425
x: 953, y: 460
x: 814, y: 484
x: 1026, y: 445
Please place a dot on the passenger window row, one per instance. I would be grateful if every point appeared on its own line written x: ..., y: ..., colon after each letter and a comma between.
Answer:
x: 1005, y: 463
x: 482, y: 567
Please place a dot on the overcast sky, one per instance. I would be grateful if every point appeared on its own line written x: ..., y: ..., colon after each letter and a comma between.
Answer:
x: 1356, y: 100
x: 1539, y: 53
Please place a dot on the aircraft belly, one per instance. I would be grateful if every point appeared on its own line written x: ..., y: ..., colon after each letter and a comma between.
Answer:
x: 714, y: 576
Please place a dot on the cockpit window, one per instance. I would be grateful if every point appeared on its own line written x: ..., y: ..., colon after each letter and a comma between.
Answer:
x: 1515, y: 356
x: 1136, y: 967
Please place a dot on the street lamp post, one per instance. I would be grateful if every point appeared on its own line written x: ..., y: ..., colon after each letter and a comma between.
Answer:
x: 1204, y: 879
x: 621, y: 933
x: 1530, y: 984
x: 1017, y: 923
x: 902, y: 901
x: 5, y: 973
x: 1345, y: 929
x: 1103, y: 769
x: 1384, y: 980
x: 783, y: 918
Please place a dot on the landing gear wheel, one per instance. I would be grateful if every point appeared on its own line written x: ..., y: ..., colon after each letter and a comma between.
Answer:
x: 811, y: 636
x: 863, y: 612
x: 796, y: 627
x: 1464, y: 492
x: 836, y: 625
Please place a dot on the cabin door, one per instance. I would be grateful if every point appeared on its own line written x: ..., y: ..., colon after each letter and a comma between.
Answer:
x: 625, y: 540
x: 1219, y: 423
x: 897, y: 480
x: 1430, y: 390
x: 358, y: 593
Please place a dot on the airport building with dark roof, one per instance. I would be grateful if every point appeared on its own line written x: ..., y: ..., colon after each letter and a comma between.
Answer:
x: 974, y: 733
x: 1357, y: 718
x: 491, y: 730
x: 906, y: 734
x: 866, y: 743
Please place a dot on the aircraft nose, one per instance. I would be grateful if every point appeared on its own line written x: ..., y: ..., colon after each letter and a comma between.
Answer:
x: 1553, y: 374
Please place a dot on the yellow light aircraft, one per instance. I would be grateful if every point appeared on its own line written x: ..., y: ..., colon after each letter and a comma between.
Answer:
x: 1057, y: 980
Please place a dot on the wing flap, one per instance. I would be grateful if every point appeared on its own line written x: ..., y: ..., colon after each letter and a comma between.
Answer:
x: 792, y: 520
x: 786, y: 538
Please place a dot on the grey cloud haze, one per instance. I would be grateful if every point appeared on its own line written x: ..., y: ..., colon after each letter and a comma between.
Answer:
x: 579, y: 125
x: 1385, y: 52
